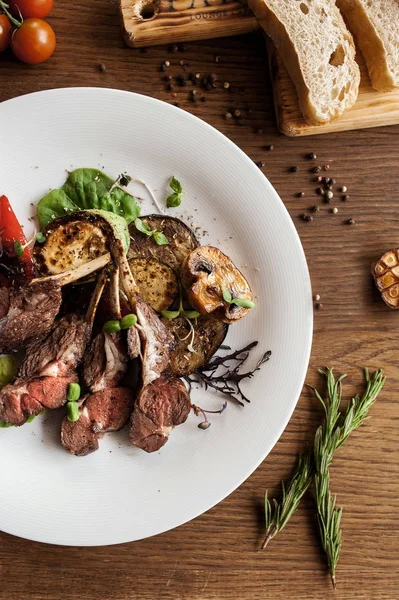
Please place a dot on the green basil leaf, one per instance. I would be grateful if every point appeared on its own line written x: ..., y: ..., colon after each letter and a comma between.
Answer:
x: 87, y: 189
x: 173, y: 200
x: 176, y: 185
x: 142, y: 227
x: 53, y: 205
x: 226, y: 295
x: 160, y: 238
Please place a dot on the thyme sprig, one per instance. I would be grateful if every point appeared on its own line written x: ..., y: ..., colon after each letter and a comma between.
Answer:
x: 228, y: 380
x: 328, y: 438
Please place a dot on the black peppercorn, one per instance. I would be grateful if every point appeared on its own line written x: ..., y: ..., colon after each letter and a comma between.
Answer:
x: 300, y: 194
x: 270, y: 147
x: 312, y: 156
x: 316, y: 169
x: 295, y: 169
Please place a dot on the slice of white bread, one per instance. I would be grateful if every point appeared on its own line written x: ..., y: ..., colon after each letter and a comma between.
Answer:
x: 317, y: 51
x: 375, y: 24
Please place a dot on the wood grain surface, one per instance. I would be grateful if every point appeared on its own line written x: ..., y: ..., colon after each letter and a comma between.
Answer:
x: 217, y: 555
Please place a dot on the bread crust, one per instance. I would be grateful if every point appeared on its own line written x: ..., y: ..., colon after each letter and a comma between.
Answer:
x: 277, y: 31
x: 370, y: 44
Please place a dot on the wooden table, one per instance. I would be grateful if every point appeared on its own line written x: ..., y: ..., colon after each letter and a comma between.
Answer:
x: 217, y: 555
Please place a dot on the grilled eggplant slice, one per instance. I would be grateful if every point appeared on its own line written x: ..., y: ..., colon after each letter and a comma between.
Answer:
x: 156, y: 281
x: 77, y: 238
x: 209, y: 333
x: 204, y: 274
x: 181, y: 241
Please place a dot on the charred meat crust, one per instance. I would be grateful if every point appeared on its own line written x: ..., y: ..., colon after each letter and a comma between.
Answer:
x: 209, y: 334
x: 31, y: 312
x: 104, y: 411
x: 159, y: 407
x: 29, y: 398
x: 105, y: 362
x: 181, y: 241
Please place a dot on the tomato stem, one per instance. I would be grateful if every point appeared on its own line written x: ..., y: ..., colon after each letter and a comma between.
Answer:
x: 15, y: 22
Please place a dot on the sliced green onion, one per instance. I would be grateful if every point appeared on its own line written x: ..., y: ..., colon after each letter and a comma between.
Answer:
x: 72, y: 411
x: 30, y: 418
x: 111, y: 326
x: 128, y: 321
x: 3, y: 424
x: 73, y: 393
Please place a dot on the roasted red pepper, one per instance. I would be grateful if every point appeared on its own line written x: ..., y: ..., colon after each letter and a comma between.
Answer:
x: 11, y: 232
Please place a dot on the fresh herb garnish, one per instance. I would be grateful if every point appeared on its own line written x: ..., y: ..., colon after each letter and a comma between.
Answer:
x: 174, y: 200
x: 173, y: 314
x: 9, y: 366
x: 124, y: 180
x: 244, y: 302
x: 228, y: 381
x: 158, y: 237
x: 87, y: 189
x: 18, y: 249
x: 40, y: 238
x: 201, y: 411
x: 329, y: 437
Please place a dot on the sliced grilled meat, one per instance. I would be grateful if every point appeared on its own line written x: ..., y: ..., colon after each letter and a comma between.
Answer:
x: 20, y: 401
x: 31, y: 313
x: 105, y: 363
x: 160, y: 406
x: 58, y: 353
x: 4, y: 302
x: 133, y: 342
x: 156, y: 340
x: 104, y: 411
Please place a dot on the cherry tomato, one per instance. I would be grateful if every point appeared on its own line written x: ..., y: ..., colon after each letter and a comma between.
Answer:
x: 11, y: 232
x: 34, y: 41
x: 37, y: 9
x: 5, y: 32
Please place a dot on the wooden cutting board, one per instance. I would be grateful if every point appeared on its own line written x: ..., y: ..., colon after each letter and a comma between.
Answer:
x: 372, y: 108
x: 155, y: 22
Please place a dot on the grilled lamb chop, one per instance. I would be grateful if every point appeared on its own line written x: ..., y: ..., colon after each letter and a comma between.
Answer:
x: 108, y: 407
x: 49, y: 367
x: 19, y: 401
x: 160, y: 406
x: 163, y: 402
x: 29, y: 311
x: 155, y: 338
x: 104, y: 411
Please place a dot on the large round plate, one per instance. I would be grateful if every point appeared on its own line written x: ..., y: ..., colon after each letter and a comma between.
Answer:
x: 120, y: 493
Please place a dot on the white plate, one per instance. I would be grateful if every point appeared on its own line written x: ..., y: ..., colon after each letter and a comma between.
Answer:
x: 120, y: 493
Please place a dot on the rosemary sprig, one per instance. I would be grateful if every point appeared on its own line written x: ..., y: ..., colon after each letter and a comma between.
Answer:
x: 278, y: 514
x: 328, y: 438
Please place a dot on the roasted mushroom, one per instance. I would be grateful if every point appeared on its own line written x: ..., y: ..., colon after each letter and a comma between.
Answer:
x: 204, y: 336
x: 156, y: 281
x: 209, y: 277
x: 181, y: 241
x: 386, y: 277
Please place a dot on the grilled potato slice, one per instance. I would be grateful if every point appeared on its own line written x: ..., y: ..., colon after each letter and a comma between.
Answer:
x: 209, y: 333
x: 204, y: 274
x: 386, y: 277
x: 76, y: 239
x: 181, y: 241
x: 156, y: 281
